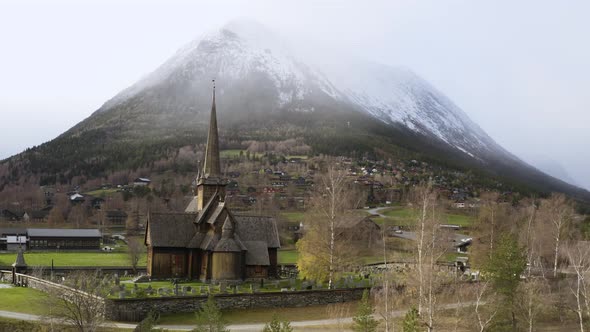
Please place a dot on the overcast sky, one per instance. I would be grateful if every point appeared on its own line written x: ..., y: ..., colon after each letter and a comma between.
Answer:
x: 520, y: 69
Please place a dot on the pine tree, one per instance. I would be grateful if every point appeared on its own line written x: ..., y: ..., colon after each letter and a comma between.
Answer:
x: 364, y: 321
x: 504, y: 269
x: 209, y: 318
x: 276, y: 325
x: 411, y: 322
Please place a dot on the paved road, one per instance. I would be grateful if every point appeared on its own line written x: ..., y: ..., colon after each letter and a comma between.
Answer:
x: 308, y: 324
x: 377, y: 211
x: 457, y: 238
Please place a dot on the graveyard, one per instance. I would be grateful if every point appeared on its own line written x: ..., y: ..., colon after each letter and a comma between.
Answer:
x: 123, y: 288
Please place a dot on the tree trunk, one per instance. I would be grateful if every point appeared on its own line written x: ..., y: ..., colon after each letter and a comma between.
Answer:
x: 579, y: 311
x: 556, y: 253
x: 420, y: 252
x: 492, y: 234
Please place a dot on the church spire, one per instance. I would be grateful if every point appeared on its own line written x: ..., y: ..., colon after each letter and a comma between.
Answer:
x: 212, y: 167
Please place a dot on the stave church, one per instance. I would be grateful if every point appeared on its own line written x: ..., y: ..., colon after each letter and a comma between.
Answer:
x: 208, y: 241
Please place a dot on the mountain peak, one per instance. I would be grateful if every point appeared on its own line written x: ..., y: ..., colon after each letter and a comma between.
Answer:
x: 246, y: 27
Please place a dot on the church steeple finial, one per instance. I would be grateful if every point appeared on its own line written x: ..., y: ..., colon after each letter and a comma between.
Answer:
x: 212, y: 166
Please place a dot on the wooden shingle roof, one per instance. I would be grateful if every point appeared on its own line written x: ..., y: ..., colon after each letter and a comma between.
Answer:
x: 258, y: 228
x: 171, y: 229
x: 257, y: 253
x: 180, y: 230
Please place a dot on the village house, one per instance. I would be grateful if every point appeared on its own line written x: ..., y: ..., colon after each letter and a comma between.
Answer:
x: 12, y: 239
x: 360, y: 230
x: 209, y: 241
x: 142, y: 182
x: 116, y: 218
x: 12, y: 214
x: 77, y: 198
x: 38, y: 215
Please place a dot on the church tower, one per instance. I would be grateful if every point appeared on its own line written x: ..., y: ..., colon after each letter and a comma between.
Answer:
x: 209, y: 181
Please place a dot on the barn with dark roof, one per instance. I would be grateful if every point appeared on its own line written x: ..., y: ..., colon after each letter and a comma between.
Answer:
x: 208, y: 241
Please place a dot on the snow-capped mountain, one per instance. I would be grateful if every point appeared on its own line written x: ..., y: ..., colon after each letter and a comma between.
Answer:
x: 243, y: 51
x: 397, y: 95
x: 234, y: 53
x: 267, y: 92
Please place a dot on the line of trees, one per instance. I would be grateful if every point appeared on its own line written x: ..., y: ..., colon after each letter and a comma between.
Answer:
x: 528, y: 261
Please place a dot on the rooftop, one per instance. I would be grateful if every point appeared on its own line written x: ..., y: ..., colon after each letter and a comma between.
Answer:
x: 59, y: 232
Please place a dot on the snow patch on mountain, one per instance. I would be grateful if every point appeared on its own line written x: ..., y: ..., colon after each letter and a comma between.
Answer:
x: 397, y: 95
x: 236, y: 51
x: 243, y: 49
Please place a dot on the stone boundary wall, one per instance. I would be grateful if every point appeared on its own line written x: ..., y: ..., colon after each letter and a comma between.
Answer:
x: 44, y: 285
x: 137, y: 309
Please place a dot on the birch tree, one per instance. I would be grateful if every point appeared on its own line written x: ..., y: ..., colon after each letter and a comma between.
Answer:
x: 322, y: 251
x: 484, y: 315
x: 578, y: 256
x: 431, y: 243
x: 80, y: 304
x: 557, y: 212
x: 532, y: 296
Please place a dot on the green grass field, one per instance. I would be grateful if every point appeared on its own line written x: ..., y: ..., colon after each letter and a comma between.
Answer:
x: 101, y: 192
x: 100, y: 258
x: 459, y: 219
x: 296, y: 156
x: 21, y: 299
x: 404, y: 217
x: 293, y: 216
x: 288, y: 256
x: 72, y: 259
x: 398, y: 213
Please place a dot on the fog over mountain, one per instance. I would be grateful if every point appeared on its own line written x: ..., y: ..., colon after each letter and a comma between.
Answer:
x: 268, y: 91
x: 522, y: 82
x: 553, y: 168
x: 244, y: 53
